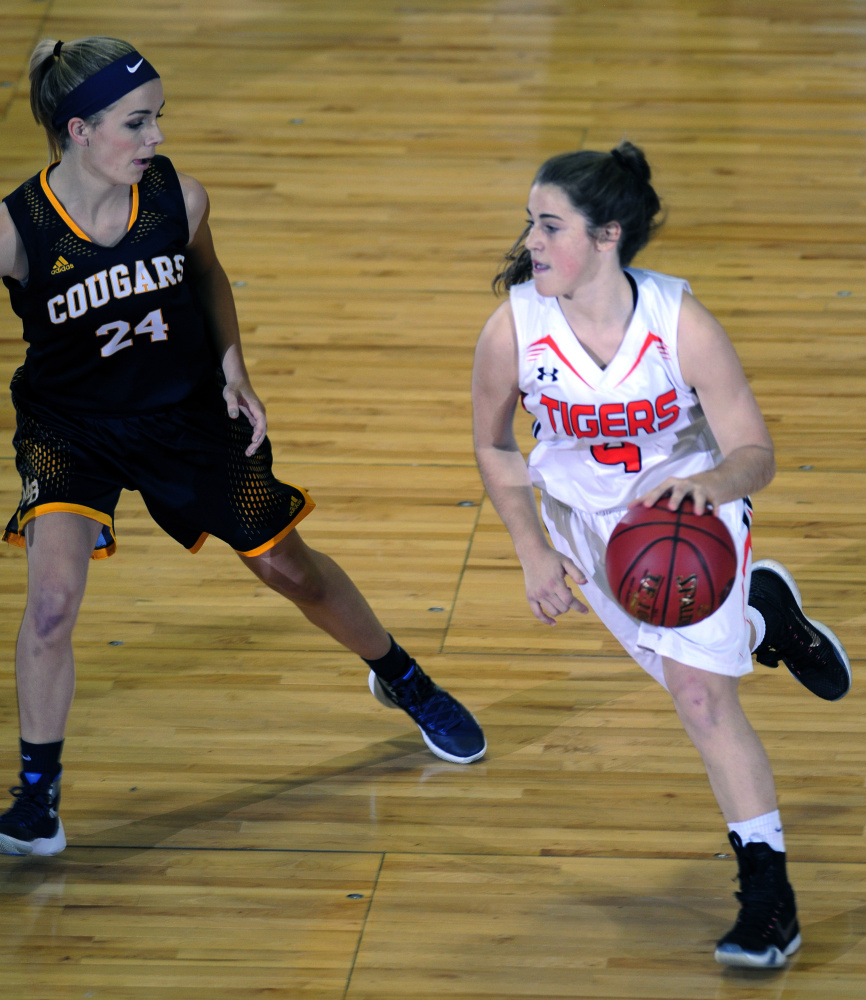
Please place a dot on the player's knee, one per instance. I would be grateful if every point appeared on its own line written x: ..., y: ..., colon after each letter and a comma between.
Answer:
x: 293, y: 573
x: 52, y: 612
x: 303, y: 586
x: 702, y: 699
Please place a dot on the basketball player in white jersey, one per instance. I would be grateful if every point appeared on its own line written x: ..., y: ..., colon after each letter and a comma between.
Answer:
x: 637, y: 393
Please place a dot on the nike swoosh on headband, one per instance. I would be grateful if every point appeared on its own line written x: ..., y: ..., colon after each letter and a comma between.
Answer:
x: 105, y: 87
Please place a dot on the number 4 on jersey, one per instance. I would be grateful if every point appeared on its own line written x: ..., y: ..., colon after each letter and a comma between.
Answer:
x: 152, y: 324
x: 624, y: 453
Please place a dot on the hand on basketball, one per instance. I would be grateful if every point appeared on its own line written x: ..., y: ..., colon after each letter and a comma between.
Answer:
x: 547, y: 591
x: 679, y: 489
x: 670, y: 568
x: 240, y: 398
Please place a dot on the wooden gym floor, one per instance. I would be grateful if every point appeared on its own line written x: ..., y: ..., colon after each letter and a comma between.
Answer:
x: 244, y: 820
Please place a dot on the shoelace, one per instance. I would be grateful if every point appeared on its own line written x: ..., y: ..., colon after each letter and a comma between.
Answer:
x: 760, y: 896
x: 30, y: 805
x: 426, y: 703
x: 759, y: 916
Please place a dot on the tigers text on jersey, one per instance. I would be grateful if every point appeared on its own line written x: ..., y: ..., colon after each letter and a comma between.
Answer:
x: 607, y: 435
x: 110, y: 329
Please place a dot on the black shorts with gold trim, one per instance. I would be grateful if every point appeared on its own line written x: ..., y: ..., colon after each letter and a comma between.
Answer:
x: 188, y: 463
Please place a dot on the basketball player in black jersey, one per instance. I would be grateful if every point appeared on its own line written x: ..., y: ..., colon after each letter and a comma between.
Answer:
x: 134, y: 378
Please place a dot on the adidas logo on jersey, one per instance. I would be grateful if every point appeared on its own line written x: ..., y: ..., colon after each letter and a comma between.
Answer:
x: 61, y: 265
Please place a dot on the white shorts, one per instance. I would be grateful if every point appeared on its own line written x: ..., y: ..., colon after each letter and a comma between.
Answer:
x: 719, y: 643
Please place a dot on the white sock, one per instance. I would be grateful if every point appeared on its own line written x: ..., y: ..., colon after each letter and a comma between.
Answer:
x: 759, y: 625
x: 766, y: 829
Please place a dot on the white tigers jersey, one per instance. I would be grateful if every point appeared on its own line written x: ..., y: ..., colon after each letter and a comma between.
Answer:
x: 607, y: 435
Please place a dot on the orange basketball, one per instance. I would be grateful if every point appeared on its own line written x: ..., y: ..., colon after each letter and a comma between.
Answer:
x: 670, y: 567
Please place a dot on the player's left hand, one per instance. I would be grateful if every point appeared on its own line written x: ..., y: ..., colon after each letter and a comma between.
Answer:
x: 679, y: 489
x: 240, y: 398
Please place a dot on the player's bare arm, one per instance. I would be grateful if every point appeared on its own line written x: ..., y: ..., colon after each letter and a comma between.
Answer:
x: 13, y: 259
x: 503, y: 469
x: 217, y: 300
x: 711, y: 366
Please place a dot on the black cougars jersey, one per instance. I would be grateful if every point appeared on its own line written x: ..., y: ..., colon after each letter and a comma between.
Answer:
x: 109, y: 329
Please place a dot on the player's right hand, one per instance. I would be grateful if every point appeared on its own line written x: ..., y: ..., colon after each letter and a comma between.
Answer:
x: 546, y: 576
x: 241, y: 399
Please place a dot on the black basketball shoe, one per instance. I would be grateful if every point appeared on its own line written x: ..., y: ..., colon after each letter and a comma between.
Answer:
x: 450, y: 730
x: 808, y: 648
x: 32, y: 825
x: 766, y: 932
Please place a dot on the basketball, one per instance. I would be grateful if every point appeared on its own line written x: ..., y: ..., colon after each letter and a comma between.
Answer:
x: 670, y: 567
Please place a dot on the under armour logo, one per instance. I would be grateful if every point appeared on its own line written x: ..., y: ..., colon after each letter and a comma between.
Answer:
x: 543, y: 374
x: 132, y: 69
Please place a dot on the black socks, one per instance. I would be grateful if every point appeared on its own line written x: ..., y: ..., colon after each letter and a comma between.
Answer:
x: 394, y: 664
x: 40, y: 760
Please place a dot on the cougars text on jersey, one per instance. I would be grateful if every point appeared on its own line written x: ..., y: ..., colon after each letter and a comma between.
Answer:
x: 109, y: 329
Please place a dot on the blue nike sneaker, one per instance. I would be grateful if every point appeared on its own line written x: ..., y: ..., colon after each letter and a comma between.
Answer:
x: 32, y: 825
x: 449, y: 730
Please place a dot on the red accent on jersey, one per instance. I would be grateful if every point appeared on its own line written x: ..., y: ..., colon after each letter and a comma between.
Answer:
x: 651, y: 339
x: 536, y: 348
